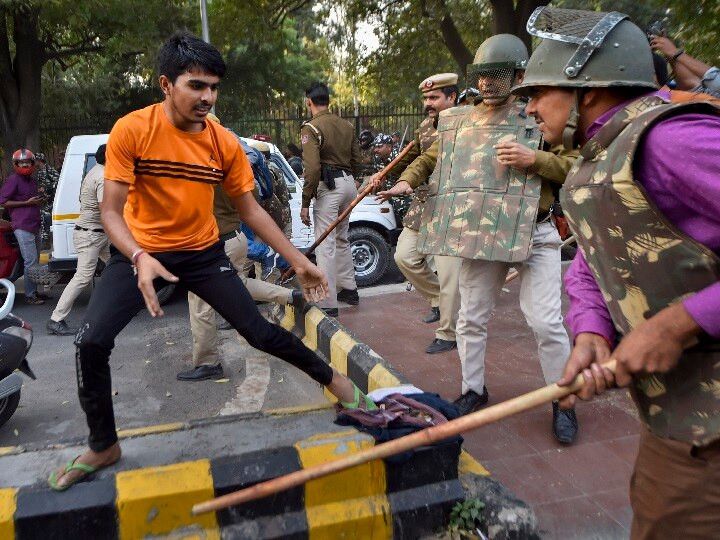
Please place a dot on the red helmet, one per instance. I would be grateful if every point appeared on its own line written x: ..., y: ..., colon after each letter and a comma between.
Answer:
x: 23, y: 155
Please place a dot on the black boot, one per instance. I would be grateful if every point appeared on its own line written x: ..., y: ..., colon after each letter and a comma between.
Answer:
x: 564, y: 424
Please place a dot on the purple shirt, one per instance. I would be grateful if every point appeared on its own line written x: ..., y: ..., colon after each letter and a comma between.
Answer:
x: 18, y: 187
x: 677, y: 164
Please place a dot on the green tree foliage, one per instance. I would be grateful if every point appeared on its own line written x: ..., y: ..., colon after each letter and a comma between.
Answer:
x: 57, y: 36
x: 270, y: 61
x: 421, y: 37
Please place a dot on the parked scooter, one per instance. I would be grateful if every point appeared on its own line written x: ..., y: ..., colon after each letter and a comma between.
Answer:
x: 15, y: 340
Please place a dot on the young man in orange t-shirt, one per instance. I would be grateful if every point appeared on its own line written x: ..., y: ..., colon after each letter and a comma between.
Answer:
x: 162, y: 165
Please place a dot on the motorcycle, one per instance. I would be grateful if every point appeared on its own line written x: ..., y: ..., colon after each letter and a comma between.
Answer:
x: 16, y: 337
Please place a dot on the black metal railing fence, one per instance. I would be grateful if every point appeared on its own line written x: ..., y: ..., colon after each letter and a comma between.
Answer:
x: 282, y: 125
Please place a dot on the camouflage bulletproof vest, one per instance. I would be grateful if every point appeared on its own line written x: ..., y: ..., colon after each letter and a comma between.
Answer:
x: 427, y: 134
x: 476, y: 207
x: 643, y: 264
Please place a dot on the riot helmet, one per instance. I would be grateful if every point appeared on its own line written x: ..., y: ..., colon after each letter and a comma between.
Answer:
x: 23, y: 154
x: 496, y: 63
x: 366, y: 139
x: 468, y: 96
x: 586, y: 49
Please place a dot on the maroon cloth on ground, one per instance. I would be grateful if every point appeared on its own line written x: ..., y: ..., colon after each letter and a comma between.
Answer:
x: 396, y: 409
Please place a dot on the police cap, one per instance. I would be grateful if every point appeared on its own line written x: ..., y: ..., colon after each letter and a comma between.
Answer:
x: 441, y: 80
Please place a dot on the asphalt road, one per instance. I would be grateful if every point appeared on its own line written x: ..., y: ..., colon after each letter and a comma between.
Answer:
x: 146, y: 358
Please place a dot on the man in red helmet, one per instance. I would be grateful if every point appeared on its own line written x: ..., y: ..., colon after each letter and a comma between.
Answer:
x: 19, y: 194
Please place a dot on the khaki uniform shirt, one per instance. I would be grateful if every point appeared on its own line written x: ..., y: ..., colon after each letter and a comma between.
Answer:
x: 338, y: 149
x: 227, y: 218
x: 91, y: 196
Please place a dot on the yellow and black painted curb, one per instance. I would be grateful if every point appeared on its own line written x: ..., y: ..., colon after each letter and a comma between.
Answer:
x: 327, y: 337
x: 378, y: 500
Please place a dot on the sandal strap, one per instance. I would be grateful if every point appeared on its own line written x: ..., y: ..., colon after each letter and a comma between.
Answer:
x: 73, y: 465
x: 369, y: 403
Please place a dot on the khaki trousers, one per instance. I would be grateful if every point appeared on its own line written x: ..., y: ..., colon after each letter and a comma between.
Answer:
x: 675, y: 490
x: 90, y: 247
x: 333, y: 254
x: 540, y: 301
x: 441, y: 290
x: 202, y: 316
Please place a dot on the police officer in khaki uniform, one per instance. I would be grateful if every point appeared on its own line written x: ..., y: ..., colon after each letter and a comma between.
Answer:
x: 439, y: 93
x: 331, y: 156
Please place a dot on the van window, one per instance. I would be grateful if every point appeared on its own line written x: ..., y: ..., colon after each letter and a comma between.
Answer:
x: 89, y: 163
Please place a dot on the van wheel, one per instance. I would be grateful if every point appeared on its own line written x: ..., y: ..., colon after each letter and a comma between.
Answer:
x: 370, y: 253
x: 165, y: 293
x: 8, y: 405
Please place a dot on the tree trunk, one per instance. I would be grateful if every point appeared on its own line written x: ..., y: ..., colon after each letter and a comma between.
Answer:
x: 454, y: 42
x: 20, y: 82
x: 511, y: 17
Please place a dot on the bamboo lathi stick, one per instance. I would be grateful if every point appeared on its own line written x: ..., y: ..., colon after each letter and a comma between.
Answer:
x: 424, y: 437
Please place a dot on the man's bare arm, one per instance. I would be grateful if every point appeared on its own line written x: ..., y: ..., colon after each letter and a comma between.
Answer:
x: 314, y: 283
x: 113, y: 204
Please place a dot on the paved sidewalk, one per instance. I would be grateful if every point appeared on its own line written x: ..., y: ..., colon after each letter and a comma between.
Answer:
x: 579, y: 491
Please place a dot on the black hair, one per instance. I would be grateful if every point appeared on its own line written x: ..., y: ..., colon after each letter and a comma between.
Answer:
x: 452, y: 89
x: 100, y: 154
x: 183, y: 51
x: 318, y: 93
x: 661, y: 69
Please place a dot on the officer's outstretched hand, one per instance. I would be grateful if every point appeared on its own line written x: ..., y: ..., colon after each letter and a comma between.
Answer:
x: 401, y: 188
x: 149, y: 269
x: 313, y: 281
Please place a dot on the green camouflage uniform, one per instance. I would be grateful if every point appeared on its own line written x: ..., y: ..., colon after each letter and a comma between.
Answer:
x: 476, y: 207
x: 644, y: 266
x: 47, y: 178
x: 278, y: 206
x: 425, y: 136
x: 367, y: 161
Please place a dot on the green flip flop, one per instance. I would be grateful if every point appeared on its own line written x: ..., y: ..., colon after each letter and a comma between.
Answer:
x: 72, y: 466
x: 358, y: 395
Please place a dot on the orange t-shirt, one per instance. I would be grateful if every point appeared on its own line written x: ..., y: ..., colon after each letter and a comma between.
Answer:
x: 171, y: 175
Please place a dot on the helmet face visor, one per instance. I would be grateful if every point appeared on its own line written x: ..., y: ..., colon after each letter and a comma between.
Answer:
x: 493, y: 81
x: 24, y: 166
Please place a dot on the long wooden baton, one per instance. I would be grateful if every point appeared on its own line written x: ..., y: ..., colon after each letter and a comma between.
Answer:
x: 382, y: 174
x: 425, y: 437
x: 512, y: 275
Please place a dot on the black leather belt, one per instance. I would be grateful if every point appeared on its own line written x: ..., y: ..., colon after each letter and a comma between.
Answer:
x: 227, y: 236
x: 337, y: 173
x: 542, y: 216
x: 79, y: 228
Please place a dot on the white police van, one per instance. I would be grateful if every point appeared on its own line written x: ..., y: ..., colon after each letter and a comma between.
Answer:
x: 372, y: 225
